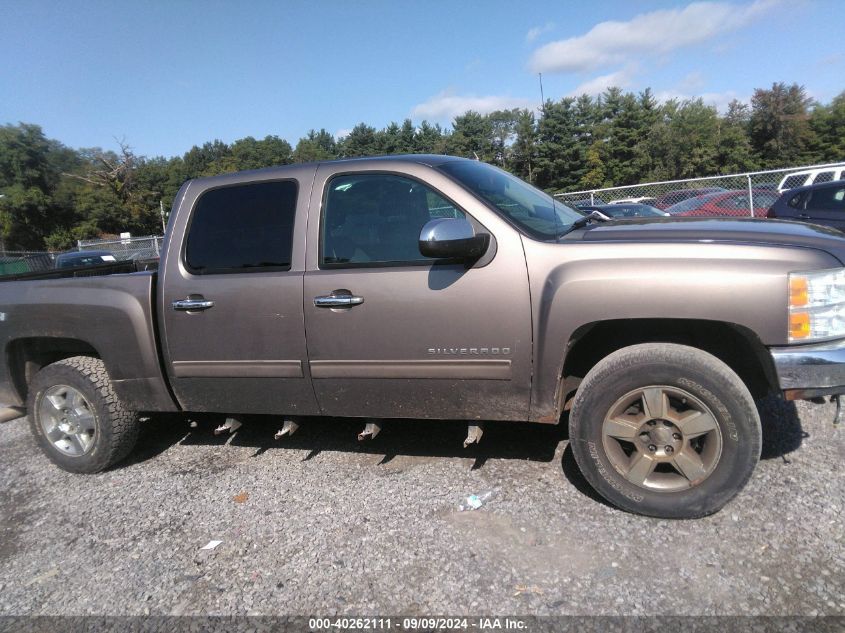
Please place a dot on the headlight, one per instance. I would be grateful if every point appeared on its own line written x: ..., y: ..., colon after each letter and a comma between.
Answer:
x: 816, y: 305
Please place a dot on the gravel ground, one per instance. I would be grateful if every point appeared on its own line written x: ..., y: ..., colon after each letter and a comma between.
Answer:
x: 321, y: 525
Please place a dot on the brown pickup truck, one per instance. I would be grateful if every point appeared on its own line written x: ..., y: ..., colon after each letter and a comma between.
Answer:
x: 436, y: 287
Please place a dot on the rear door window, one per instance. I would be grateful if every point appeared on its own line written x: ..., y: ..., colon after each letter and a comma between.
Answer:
x: 823, y: 176
x: 242, y: 228
x: 827, y: 199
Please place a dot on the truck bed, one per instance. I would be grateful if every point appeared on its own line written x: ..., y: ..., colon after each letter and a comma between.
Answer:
x: 92, y: 309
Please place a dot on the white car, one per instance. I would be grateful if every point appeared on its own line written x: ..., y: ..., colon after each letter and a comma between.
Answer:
x: 640, y: 200
x: 811, y: 177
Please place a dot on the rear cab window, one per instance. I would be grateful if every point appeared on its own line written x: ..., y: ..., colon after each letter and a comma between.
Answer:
x: 242, y: 229
x: 796, y: 180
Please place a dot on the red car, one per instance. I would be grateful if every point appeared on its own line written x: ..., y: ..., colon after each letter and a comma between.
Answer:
x: 674, y: 197
x: 730, y: 203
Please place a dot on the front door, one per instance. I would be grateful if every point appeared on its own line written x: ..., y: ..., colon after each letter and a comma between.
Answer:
x: 231, y: 298
x: 416, y: 339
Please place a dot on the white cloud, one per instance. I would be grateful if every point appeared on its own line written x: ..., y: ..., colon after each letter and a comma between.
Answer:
x: 537, y: 31
x: 447, y: 106
x: 597, y: 85
x: 648, y: 34
x: 344, y: 131
x: 718, y: 99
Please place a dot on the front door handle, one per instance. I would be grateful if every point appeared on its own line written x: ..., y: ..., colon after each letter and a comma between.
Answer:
x: 338, y: 299
x: 803, y: 216
x: 192, y: 304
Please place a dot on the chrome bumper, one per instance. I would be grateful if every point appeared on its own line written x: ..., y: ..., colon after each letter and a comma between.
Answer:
x: 810, y: 371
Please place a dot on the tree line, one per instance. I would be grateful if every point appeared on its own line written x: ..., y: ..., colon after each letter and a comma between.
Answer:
x: 52, y: 195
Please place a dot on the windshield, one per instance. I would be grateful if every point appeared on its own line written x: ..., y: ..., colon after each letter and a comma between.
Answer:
x: 536, y: 213
x: 692, y: 203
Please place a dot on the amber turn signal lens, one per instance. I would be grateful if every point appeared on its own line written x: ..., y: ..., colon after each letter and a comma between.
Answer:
x: 799, y: 294
x: 799, y: 325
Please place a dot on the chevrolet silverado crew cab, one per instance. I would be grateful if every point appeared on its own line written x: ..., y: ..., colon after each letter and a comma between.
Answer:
x: 436, y: 287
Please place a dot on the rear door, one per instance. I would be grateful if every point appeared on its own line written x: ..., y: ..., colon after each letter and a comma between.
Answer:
x: 230, y: 296
x: 423, y: 339
x: 826, y: 205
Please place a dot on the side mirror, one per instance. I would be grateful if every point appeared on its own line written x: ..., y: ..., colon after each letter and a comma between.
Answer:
x: 452, y: 238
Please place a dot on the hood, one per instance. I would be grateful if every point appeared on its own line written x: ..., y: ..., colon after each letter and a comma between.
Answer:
x: 732, y: 230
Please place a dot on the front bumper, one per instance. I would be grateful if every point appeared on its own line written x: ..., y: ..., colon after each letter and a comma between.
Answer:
x: 811, y: 371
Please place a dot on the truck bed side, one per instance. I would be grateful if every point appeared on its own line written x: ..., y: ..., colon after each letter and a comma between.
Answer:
x: 111, y: 317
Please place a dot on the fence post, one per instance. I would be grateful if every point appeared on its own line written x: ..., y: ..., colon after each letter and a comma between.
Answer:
x: 592, y: 198
x: 158, y: 250
x: 750, y: 196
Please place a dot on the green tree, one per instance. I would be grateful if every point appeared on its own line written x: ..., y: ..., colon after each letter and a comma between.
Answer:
x: 472, y: 137
x: 780, y: 125
x: 561, y: 157
x: 315, y: 146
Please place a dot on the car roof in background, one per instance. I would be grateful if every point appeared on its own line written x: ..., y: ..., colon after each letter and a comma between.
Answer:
x: 72, y: 254
x: 818, y: 185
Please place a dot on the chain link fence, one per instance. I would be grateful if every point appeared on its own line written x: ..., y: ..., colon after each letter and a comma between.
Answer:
x: 20, y: 262
x: 747, y: 194
x: 129, y: 248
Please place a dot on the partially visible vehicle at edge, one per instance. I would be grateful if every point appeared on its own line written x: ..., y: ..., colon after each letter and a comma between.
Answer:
x: 641, y: 200
x: 674, y: 197
x: 432, y: 287
x: 727, y: 203
x: 811, y: 177
x: 73, y: 259
x: 820, y: 204
x: 621, y: 211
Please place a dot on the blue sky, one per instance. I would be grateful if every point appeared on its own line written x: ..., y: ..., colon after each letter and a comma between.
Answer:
x: 167, y: 75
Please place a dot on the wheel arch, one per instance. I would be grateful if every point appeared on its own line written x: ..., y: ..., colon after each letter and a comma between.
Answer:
x: 737, y: 346
x: 26, y: 356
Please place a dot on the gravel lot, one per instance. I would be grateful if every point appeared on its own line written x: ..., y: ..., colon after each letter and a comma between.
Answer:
x: 321, y: 525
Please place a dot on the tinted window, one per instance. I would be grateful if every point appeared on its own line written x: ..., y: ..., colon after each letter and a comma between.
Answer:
x: 377, y: 218
x: 823, y: 176
x: 794, y: 181
x: 245, y: 228
x: 829, y: 199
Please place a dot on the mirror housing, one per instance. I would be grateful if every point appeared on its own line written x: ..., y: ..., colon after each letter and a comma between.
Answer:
x: 452, y: 238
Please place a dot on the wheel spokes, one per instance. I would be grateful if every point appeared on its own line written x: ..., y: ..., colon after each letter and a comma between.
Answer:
x: 694, y: 423
x: 689, y: 464
x: 621, y: 429
x: 641, y: 467
x: 655, y: 403
x: 86, y: 422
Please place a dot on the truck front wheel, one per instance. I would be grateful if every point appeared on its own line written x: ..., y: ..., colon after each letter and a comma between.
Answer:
x: 665, y: 430
x: 76, y: 417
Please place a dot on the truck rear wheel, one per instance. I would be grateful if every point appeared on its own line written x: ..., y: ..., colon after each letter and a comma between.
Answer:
x: 77, y: 419
x: 665, y: 430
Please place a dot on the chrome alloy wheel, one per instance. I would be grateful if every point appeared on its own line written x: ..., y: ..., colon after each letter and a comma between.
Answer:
x: 67, y: 420
x: 662, y: 438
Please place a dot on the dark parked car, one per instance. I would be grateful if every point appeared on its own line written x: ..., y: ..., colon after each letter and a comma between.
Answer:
x: 674, y: 197
x: 84, y: 258
x: 586, y: 202
x: 820, y: 204
x: 621, y: 211
x: 726, y: 203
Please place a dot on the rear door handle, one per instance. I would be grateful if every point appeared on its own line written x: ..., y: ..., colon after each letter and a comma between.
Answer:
x: 192, y: 304
x: 803, y: 216
x: 338, y: 299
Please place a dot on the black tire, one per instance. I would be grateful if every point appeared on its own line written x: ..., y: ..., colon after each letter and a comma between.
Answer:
x: 695, y: 372
x: 116, y: 428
